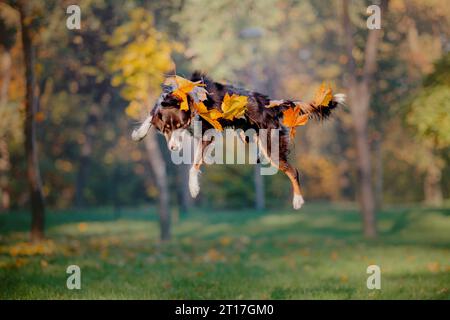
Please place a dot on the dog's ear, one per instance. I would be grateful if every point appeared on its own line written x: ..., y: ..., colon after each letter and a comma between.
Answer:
x: 157, y: 119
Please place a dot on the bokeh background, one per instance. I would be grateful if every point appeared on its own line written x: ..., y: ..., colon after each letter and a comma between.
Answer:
x: 74, y: 188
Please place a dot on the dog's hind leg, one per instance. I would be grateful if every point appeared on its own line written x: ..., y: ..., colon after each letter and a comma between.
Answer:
x: 283, y: 165
x: 292, y: 173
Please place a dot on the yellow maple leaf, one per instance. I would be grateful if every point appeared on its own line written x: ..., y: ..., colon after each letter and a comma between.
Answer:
x: 184, y: 105
x: 185, y: 87
x: 209, y: 115
x: 323, y: 96
x: 234, y: 106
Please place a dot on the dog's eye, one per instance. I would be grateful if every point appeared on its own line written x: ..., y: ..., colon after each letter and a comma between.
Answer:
x: 178, y: 125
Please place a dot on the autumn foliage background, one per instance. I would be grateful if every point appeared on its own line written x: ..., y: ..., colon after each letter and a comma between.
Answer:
x: 93, y: 85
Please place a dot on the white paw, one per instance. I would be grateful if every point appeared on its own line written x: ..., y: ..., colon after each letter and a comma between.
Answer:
x: 298, y: 201
x: 194, y: 186
x: 141, y: 132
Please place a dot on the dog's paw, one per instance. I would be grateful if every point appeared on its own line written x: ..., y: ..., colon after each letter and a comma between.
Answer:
x: 194, y: 186
x: 298, y: 201
x: 140, y: 133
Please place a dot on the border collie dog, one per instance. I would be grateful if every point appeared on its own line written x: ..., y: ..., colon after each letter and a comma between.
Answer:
x: 168, y: 119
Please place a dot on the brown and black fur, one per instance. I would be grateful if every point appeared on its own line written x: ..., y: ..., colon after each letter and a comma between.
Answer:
x: 167, y: 117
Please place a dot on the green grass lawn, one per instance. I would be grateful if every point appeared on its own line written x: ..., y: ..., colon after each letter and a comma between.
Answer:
x: 316, y: 253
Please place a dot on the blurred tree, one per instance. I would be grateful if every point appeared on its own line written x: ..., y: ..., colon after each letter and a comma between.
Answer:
x: 87, y: 159
x: 141, y: 56
x: 29, y: 14
x: 359, y: 85
x: 429, y: 116
x: 7, y: 40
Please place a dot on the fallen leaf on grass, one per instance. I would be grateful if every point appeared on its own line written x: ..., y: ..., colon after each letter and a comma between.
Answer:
x: 343, y: 278
x: 434, y: 267
x: 305, y: 252
x: 213, y: 255
x: 30, y: 249
x: 82, y: 227
x: 44, y: 263
x: 225, y: 241
x: 20, y: 262
x: 334, y: 256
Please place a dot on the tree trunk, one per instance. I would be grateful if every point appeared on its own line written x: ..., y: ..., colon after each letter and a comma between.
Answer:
x: 85, y: 159
x: 366, y: 195
x: 378, y: 173
x: 359, y: 99
x: 158, y: 167
x: 5, y: 163
x: 259, y: 188
x: 184, y: 197
x: 359, y: 83
x: 33, y: 173
x: 6, y: 76
x: 432, y: 186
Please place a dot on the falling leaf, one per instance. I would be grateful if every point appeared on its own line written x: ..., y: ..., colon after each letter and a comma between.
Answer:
x: 209, y: 115
x: 323, y: 96
x: 234, y: 106
x: 186, y: 85
x: 183, y: 87
x: 292, y: 118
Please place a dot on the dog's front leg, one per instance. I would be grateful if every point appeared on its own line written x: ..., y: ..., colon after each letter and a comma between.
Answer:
x: 194, y: 172
x: 141, y: 132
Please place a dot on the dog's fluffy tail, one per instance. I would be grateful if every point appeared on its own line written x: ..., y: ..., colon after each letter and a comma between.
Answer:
x: 321, y: 112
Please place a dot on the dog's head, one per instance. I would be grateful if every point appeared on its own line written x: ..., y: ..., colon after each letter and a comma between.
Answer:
x: 168, y: 119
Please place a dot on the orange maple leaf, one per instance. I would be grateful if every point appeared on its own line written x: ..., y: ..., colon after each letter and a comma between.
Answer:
x: 292, y: 119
